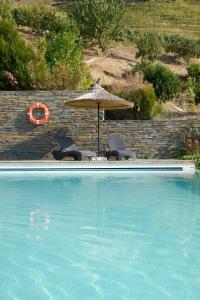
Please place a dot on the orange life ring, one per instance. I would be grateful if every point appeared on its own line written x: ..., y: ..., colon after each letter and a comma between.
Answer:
x: 38, y: 105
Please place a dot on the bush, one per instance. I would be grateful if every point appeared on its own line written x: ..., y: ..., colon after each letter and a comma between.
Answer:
x: 98, y: 21
x: 15, y: 56
x: 59, y: 65
x: 124, y: 34
x: 181, y: 47
x: 198, y: 48
x: 194, y: 81
x: 55, y: 63
x: 141, y: 66
x: 149, y: 46
x: 5, y: 8
x: 196, y: 89
x: 64, y: 51
x: 194, y: 71
x: 145, y: 105
x: 23, y: 66
x: 165, y: 82
x: 42, y: 19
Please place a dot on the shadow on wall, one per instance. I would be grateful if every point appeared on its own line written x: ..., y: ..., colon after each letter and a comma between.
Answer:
x: 38, y: 147
x: 22, y: 124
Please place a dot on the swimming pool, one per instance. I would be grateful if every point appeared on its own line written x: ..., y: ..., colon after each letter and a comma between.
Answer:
x: 83, y: 237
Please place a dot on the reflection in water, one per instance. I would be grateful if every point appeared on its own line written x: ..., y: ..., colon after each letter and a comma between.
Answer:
x: 39, y: 221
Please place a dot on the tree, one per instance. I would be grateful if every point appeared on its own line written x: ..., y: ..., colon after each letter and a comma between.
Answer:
x: 149, y: 45
x: 98, y: 20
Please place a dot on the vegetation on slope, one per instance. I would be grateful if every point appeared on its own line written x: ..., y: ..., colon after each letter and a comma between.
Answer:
x: 167, y: 16
x: 58, y: 36
x: 50, y: 59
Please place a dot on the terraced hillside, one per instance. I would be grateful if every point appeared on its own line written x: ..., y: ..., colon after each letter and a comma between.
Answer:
x: 114, y: 67
x: 61, y: 2
x: 182, y: 17
x: 34, y: 1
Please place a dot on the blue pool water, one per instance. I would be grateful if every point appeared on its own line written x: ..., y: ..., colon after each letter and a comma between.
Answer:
x: 135, y: 237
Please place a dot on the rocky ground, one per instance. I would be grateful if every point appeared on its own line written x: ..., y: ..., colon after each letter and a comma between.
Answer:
x: 115, y: 66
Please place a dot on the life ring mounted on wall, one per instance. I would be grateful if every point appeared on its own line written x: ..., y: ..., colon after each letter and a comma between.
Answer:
x: 43, y: 107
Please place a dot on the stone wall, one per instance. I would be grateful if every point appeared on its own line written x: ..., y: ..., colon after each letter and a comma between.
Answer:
x: 19, y: 139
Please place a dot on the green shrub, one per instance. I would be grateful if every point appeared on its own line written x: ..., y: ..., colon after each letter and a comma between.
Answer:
x: 98, y: 21
x: 196, y: 89
x: 42, y: 19
x: 15, y: 56
x: 59, y: 65
x: 124, y: 34
x: 181, y: 47
x: 194, y: 71
x: 5, y: 8
x: 23, y: 66
x: 145, y: 104
x: 194, y: 81
x: 198, y: 48
x: 149, y: 46
x: 165, y: 82
x: 141, y: 66
x: 64, y: 51
x: 48, y: 63
x: 21, y: 16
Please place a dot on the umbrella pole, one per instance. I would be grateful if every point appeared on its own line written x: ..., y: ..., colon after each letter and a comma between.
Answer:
x: 98, y: 129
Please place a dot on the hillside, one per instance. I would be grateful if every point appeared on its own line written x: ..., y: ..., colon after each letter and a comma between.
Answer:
x: 114, y: 67
x: 182, y: 17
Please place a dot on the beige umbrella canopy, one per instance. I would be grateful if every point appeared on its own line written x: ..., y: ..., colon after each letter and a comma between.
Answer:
x: 98, y: 98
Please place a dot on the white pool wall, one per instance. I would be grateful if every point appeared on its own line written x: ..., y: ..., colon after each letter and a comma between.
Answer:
x: 174, y: 166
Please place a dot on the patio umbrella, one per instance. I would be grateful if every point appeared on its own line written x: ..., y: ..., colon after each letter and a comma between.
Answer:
x: 98, y: 98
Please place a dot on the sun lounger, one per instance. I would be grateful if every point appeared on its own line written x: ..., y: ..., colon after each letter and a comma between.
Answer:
x: 69, y: 148
x: 117, y: 148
